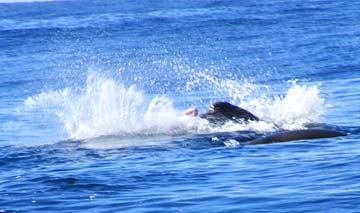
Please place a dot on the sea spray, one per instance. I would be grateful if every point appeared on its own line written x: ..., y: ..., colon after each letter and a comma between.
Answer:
x: 108, y: 107
x: 296, y: 106
x: 300, y: 105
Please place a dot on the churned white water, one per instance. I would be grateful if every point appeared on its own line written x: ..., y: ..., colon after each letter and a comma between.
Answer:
x: 108, y: 107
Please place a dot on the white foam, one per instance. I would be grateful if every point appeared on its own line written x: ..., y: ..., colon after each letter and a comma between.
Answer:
x: 108, y: 107
x: 299, y: 106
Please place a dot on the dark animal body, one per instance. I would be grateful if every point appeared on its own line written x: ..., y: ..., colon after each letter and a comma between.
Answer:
x: 304, y: 134
x: 222, y: 112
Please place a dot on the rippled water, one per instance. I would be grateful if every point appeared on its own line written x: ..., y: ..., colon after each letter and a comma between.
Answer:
x: 91, y: 95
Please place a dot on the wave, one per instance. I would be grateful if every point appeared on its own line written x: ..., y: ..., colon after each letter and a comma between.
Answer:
x: 109, y: 107
x: 85, y: 21
x: 116, y: 19
x: 24, y: 1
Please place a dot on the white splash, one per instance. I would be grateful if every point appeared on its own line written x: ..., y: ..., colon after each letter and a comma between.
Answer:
x: 107, y: 107
x: 299, y: 106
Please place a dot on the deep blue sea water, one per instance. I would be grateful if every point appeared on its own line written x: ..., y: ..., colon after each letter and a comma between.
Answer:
x: 91, y: 95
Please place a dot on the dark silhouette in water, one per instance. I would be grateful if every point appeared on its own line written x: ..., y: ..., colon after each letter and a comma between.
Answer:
x: 221, y: 112
x: 291, y: 135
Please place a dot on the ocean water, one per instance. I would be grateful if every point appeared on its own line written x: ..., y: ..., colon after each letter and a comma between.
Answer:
x: 92, y: 94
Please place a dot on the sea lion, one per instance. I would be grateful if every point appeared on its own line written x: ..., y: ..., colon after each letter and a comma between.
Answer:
x: 221, y: 112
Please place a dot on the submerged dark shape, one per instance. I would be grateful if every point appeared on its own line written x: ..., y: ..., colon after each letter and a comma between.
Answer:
x: 292, y: 135
x: 222, y: 112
